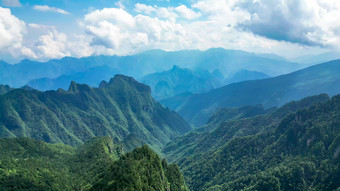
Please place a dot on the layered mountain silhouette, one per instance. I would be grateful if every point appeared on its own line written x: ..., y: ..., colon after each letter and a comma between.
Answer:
x: 197, y: 108
x: 227, y: 62
x: 121, y: 108
x: 177, y: 80
x: 245, y: 75
x: 91, y: 77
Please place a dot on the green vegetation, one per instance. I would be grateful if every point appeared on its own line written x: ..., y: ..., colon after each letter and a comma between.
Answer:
x: 270, y: 92
x: 122, y: 109
x: 27, y: 164
x: 4, y: 89
x: 291, y: 148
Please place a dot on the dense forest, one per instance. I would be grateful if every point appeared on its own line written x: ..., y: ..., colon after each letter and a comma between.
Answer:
x: 99, y: 164
x: 121, y: 108
x: 295, y: 147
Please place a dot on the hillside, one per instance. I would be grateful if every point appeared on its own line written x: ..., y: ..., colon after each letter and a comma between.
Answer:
x: 294, y: 151
x: 4, y: 89
x: 27, y: 164
x: 177, y: 80
x: 228, y: 123
x: 122, y: 109
x: 322, y: 78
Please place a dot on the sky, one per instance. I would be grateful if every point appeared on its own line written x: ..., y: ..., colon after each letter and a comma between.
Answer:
x: 52, y: 29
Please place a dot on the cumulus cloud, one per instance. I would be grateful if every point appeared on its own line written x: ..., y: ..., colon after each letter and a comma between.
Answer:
x: 11, y: 3
x: 147, y: 9
x: 51, y: 9
x: 52, y: 45
x: 230, y: 24
x: 123, y: 33
x: 47, y: 42
x: 12, y: 31
x: 187, y: 13
x: 284, y: 27
x: 309, y: 22
x: 181, y: 11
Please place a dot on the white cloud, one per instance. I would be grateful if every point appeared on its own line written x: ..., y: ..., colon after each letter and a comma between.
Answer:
x: 123, y: 33
x: 11, y: 3
x: 12, y: 31
x: 173, y: 28
x: 285, y: 27
x: 309, y: 22
x: 55, y: 44
x: 146, y: 9
x: 51, y: 9
x: 187, y: 13
x: 167, y: 12
x: 40, y: 26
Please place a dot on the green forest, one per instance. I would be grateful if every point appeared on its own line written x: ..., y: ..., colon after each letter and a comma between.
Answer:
x: 99, y: 164
x: 292, y: 147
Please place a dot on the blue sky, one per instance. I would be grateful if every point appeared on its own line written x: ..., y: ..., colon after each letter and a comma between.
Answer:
x: 48, y: 29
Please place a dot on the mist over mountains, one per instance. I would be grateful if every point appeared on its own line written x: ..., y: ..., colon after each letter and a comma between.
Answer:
x: 270, y: 92
x: 237, y: 127
x: 228, y: 62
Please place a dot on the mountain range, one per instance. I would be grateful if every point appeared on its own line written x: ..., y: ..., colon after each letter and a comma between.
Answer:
x: 177, y: 80
x: 270, y: 92
x: 92, y: 77
x: 121, y: 108
x: 227, y: 62
x: 295, y: 147
x: 109, y: 135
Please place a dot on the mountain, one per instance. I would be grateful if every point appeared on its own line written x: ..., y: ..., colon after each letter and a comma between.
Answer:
x: 322, y: 78
x: 315, y: 59
x: 4, y: 89
x: 228, y: 123
x: 122, y: 109
x: 177, y: 80
x: 245, y: 75
x: 140, y: 65
x: 99, y: 164
x: 91, y: 77
x: 295, y: 147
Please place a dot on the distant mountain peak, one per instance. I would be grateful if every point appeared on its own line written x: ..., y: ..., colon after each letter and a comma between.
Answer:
x: 119, y: 80
x: 75, y: 87
x: 175, y: 67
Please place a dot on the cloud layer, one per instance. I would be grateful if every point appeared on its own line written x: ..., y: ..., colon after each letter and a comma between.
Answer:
x: 50, y: 9
x: 284, y: 27
x: 11, y: 3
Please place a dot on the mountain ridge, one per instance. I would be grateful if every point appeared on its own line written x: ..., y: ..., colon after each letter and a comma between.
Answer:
x: 321, y: 78
x: 121, y: 107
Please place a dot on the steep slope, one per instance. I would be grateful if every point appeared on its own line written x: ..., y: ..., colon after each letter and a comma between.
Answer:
x: 322, y: 78
x: 301, y: 152
x: 4, y: 89
x: 228, y: 123
x: 121, y: 108
x: 177, y: 80
x: 142, y: 169
x: 91, y: 77
x: 139, y: 65
x: 27, y: 164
